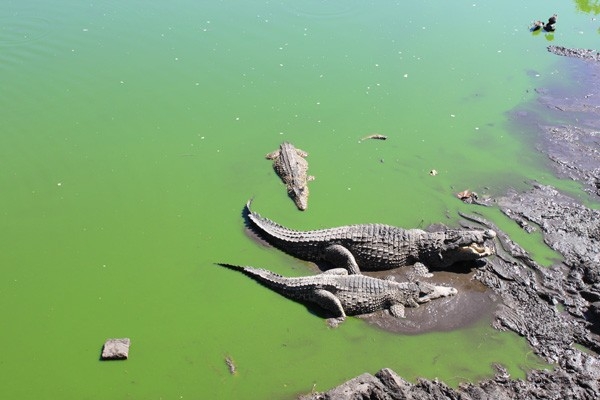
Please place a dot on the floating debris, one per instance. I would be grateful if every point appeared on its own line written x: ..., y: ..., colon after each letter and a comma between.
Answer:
x: 230, y: 365
x: 376, y: 136
x: 467, y: 196
x: 433, y: 172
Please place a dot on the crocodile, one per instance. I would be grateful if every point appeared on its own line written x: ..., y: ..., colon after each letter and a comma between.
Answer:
x: 341, y: 294
x: 290, y: 165
x: 375, y: 247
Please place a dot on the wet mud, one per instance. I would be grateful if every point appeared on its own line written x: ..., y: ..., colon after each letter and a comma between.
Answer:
x: 473, y: 302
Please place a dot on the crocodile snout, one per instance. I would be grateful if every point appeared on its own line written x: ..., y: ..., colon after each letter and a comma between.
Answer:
x: 435, y: 292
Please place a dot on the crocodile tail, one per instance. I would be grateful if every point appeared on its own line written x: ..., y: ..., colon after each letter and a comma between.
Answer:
x: 248, y: 205
x: 292, y: 288
x: 270, y: 227
x: 263, y: 276
x: 233, y: 267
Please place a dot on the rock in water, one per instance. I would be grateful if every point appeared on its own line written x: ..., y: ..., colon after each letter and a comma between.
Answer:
x: 116, y: 349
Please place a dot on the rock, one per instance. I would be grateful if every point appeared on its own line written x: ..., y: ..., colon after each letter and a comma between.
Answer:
x: 116, y: 349
x: 364, y: 386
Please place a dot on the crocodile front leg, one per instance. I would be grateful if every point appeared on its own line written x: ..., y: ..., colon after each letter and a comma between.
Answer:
x: 340, y: 257
x: 397, y: 310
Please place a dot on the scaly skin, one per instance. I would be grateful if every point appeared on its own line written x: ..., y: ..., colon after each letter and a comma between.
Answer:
x: 343, y: 294
x: 290, y: 165
x: 374, y: 247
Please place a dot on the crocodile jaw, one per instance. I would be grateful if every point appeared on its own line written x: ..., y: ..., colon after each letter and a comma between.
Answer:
x: 479, y: 250
x: 435, y: 292
x: 476, y: 250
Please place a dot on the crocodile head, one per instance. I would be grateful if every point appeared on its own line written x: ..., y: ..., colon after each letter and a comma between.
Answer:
x: 457, y: 245
x: 418, y: 293
x: 428, y: 292
x: 300, y: 196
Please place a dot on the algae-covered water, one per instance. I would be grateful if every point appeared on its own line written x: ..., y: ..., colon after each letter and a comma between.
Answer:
x: 133, y: 132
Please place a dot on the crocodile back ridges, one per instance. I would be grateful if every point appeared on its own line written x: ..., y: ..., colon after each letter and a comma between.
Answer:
x: 357, y: 293
x: 374, y: 246
x: 279, y: 232
x: 334, y: 283
x: 360, y: 233
x: 292, y: 164
x: 291, y: 287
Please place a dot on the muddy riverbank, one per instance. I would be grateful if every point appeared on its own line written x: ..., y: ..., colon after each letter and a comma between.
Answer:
x: 556, y: 309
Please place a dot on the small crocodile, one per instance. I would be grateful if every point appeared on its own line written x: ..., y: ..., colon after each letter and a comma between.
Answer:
x: 290, y: 165
x: 342, y: 294
x: 375, y: 247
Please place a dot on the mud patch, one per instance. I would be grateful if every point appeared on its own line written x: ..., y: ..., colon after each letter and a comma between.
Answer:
x: 473, y: 302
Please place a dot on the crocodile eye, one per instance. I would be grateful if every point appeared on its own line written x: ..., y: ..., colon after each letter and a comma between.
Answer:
x: 490, y: 234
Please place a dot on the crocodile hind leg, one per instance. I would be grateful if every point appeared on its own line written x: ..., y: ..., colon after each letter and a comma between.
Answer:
x: 330, y: 302
x: 340, y: 257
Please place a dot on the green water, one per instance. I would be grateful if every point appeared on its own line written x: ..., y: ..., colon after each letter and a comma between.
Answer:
x: 133, y: 132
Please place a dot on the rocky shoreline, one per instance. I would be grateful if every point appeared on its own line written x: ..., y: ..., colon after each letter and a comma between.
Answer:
x: 556, y: 309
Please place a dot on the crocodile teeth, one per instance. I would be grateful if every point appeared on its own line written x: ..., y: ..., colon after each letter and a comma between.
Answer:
x: 479, y: 249
x: 475, y: 248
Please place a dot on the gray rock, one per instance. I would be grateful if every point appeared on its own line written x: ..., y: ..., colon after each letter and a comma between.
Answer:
x: 116, y: 349
x: 364, y: 386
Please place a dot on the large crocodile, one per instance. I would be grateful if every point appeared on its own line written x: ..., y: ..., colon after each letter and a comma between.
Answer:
x: 290, y: 165
x: 376, y: 246
x: 342, y: 294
